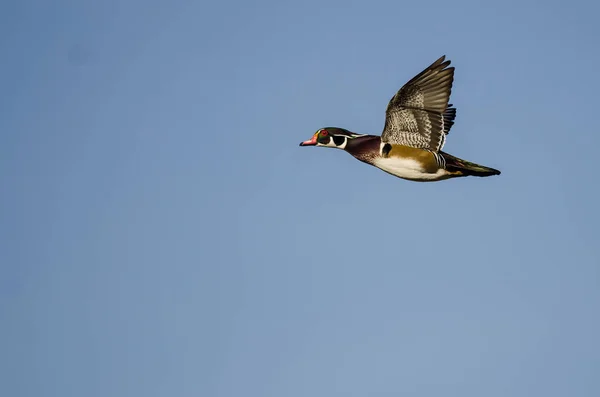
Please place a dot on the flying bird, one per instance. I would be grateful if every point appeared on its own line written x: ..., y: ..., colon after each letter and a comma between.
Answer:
x: 417, y: 120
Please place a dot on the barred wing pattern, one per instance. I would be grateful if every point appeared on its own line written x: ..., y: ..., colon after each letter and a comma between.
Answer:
x: 419, y: 114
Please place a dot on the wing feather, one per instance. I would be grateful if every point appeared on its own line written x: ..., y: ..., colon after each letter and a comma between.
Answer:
x: 419, y: 114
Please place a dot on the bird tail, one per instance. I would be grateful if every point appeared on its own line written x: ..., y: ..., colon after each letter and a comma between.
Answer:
x: 466, y: 168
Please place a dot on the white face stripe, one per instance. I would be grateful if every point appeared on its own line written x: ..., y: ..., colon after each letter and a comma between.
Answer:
x: 332, y: 144
x: 331, y: 141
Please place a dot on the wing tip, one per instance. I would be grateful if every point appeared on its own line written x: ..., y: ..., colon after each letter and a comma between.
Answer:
x: 441, y: 64
x: 440, y: 61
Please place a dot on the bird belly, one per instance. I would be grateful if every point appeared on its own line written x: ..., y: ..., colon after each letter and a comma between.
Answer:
x: 410, y: 169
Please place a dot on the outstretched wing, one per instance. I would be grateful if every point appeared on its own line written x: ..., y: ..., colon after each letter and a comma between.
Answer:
x: 419, y: 114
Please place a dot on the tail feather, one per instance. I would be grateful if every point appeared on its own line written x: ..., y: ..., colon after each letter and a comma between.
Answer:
x: 466, y: 168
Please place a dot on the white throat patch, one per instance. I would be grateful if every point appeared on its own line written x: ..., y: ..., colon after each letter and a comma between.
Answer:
x: 332, y: 144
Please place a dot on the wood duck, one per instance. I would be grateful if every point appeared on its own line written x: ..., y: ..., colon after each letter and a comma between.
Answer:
x: 418, y: 118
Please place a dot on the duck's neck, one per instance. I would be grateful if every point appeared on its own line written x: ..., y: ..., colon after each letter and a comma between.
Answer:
x: 364, y: 148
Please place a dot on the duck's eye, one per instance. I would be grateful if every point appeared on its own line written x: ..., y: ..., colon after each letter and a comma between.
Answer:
x: 324, y: 133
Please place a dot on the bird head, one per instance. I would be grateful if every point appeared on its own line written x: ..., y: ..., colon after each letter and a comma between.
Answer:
x: 330, y: 137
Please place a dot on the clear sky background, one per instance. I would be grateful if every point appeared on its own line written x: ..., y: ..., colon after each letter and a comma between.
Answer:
x: 162, y: 234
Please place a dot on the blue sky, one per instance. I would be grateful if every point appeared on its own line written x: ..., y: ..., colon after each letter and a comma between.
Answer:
x: 162, y: 234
